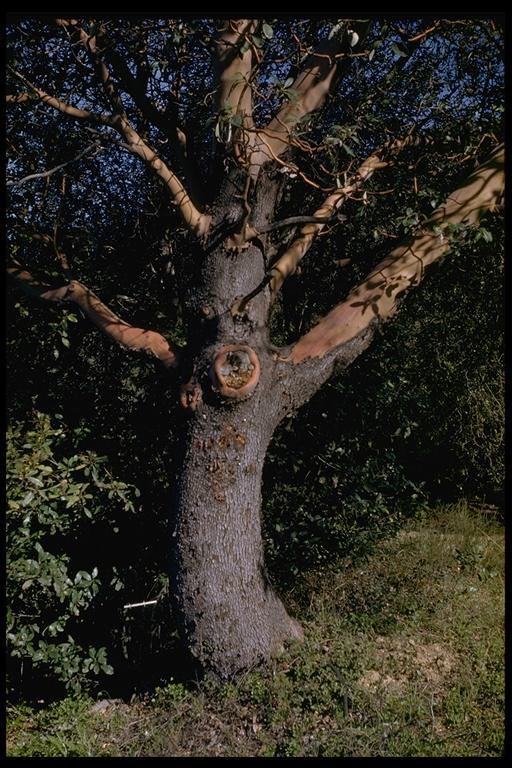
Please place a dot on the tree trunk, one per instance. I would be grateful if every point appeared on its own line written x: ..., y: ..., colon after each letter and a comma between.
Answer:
x: 228, y: 613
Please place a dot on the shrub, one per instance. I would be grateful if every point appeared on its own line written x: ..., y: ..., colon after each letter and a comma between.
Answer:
x: 52, y: 499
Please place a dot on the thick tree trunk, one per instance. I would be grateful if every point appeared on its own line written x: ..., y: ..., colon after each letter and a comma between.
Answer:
x: 229, y: 615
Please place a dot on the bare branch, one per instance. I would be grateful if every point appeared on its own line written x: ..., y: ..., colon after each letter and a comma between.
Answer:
x: 128, y: 336
x: 67, y: 109
x: 291, y: 220
x: 421, y: 35
x: 17, y: 98
x: 94, y: 45
x: 404, y: 267
x: 165, y: 122
x: 288, y: 262
x: 51, y: 171
x: 198, y: 222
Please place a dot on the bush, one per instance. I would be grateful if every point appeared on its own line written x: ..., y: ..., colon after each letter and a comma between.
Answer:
x: 53, y: 498
x: 420, y: 415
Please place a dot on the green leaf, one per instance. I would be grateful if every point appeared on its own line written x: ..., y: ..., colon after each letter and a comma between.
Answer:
x: 27, y: 499
x: 354, y: 38
x: 267, y: 31
x: 397, y: 50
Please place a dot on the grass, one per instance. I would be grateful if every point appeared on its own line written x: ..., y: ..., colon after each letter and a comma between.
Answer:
x: 403, y: 656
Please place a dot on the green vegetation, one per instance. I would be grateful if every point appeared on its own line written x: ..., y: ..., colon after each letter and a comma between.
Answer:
x: 403, y: 656
x: 419, y: 417
x: 54, y: 502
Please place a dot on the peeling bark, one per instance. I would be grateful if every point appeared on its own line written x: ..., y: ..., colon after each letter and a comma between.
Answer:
x: 376, y: 298
x: 234, y: 92
x: 124, y: 334
x: 312, y: 86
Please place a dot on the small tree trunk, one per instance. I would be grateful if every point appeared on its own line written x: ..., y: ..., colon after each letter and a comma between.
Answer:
x: 228, y: 613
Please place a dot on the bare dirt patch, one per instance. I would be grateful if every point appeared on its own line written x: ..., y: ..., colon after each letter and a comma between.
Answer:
x: 401, y: 661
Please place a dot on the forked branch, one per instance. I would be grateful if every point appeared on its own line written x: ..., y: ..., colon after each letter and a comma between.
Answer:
x: 288, y: 262
x: 167, y: 122
x: 376, y: 298
x: 196, y: 221
x: 310, y: 89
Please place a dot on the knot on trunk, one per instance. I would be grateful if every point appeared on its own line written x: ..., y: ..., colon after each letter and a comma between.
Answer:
x: 235, y: 371
x: 191, y: 395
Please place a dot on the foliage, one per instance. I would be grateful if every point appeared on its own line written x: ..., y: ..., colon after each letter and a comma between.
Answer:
x: 420, y: 415
x: 342, y: 497
x: 53, y: 498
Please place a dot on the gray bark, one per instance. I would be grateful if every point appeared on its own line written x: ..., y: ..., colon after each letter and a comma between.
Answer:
x: 228, y: 612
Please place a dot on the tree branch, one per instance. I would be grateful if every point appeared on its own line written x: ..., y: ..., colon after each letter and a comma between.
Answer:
x: 128, y: 336
x: 165, y: 122
x: 404, y: 267
x: 198, y: 222
x: 51, y: 171
x: 17, y: 98
x: 234, y: 93
x: 311, y: 88
x: 291, y: 220
x: 62, y: 106
x: 94, y: 45
x: 287, y: 264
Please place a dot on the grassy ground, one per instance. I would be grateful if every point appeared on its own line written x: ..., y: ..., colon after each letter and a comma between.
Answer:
x: 403, y: 657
